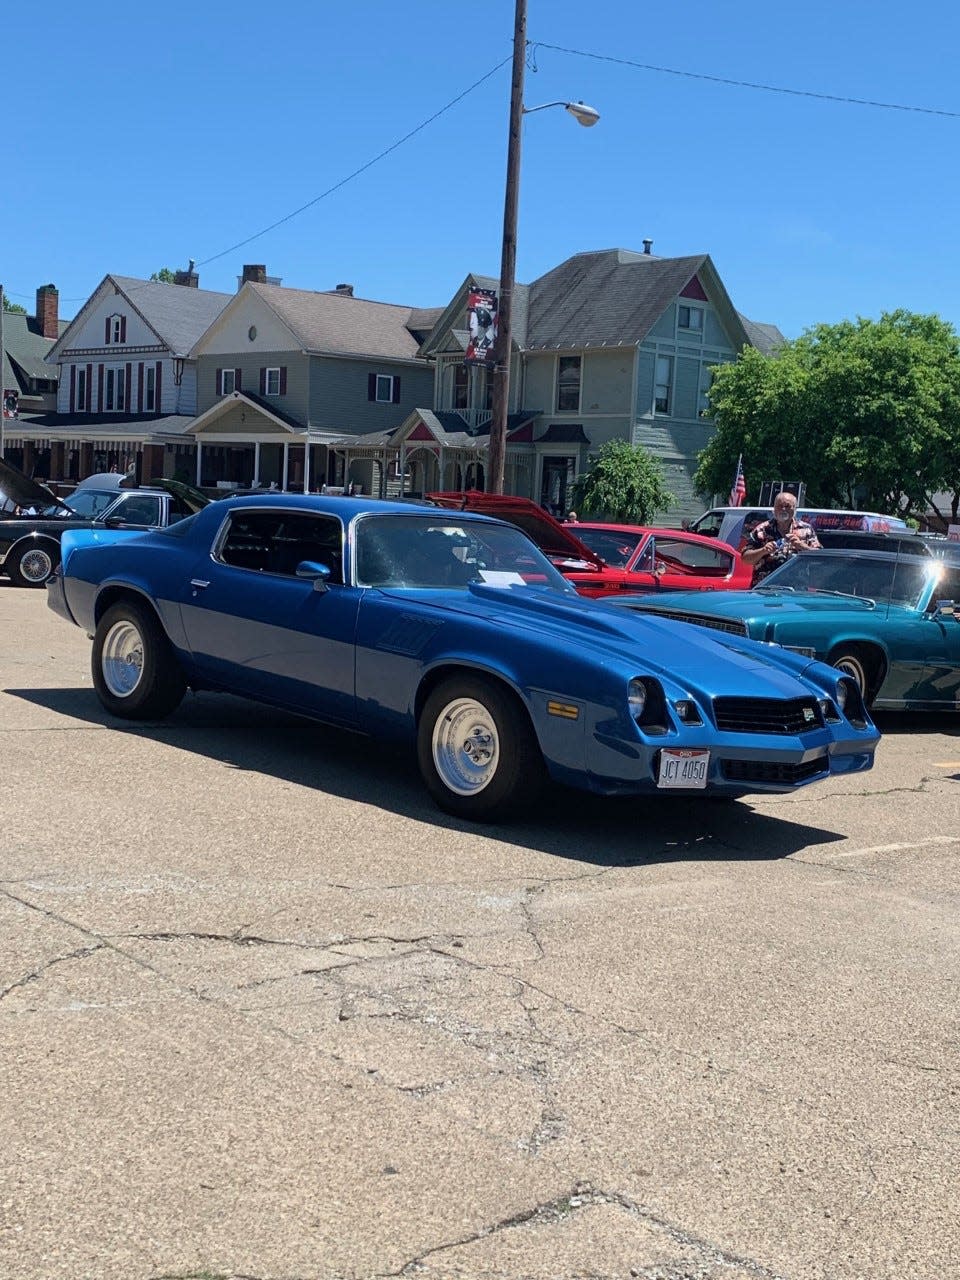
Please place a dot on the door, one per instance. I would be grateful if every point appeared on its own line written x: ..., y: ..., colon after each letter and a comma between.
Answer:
x: 556, y: 484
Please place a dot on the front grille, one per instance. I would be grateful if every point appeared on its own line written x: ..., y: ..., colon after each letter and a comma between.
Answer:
x: 733, y: 626
x: 773, y: 770
x: 767, y: 715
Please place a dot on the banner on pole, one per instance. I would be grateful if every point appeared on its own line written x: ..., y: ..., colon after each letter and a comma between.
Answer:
x: 482, y: 323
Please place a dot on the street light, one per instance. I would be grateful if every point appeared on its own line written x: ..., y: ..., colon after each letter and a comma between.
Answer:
x: 587, y: 116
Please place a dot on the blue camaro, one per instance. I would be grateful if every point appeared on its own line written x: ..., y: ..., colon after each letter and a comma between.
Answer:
x: 453, y: 632
x: 889, y: 621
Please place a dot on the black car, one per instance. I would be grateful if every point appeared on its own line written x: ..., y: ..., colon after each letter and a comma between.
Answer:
x: 904, y: 544
x: 30, y: 539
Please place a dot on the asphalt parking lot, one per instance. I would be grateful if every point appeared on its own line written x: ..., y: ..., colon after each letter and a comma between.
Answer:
x: 266, y: 1013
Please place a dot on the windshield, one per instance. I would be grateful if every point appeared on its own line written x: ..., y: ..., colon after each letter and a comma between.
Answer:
x: 449, y: 552
x: 888, y: 578
x: 615, y: 547
x: 90, y: 502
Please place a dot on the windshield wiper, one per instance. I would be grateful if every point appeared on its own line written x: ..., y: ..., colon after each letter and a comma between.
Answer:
x: 793, y: 590
x: 845, y: 595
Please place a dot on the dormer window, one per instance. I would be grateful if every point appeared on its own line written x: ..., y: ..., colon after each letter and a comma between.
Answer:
x: 115, y: 330
x: 690, y: 318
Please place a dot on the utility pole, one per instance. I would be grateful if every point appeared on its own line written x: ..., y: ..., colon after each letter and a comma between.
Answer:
x: 508, y: 262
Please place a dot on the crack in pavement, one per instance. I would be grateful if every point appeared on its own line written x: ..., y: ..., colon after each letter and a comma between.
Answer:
x: 35, y: 975
x: 584, y: 1196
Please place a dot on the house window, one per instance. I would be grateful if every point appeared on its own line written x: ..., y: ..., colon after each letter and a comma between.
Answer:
x: 706, y: 378
x: 461, y: 387
x: 662, y: 386
x: 690, y: 318
x: 273, y: 381
x: 115, y: 329
x: 114, y: 393
x: 150, y: 390
x: 80, y: 401
x: 568, y: 384
x: 383, y: 388
x: 229, y: 377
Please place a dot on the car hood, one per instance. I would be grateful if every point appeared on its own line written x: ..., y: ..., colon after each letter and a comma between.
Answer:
x: 697, y: 659
x: 23, y: 490
x: 751, y: 605
x: 553, y: 538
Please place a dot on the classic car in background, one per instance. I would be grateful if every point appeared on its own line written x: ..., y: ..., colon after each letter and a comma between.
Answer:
x: 734, y: 525
x: 454, y: 633
x: 890, y: 622
x: 602, y: 559
x: 30, y: 543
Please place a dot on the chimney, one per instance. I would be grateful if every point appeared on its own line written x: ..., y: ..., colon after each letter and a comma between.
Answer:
x: 188, y: 277
x: 345, y: 289
x: 647, y: 246
x: 48, y: 317
x: 256, y: 272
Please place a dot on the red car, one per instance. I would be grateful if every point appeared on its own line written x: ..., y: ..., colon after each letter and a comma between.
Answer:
x: 603, y: 559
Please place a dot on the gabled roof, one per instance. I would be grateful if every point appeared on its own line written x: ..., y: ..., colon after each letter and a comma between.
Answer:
x: 340, y: 324
x: 613, y: 297
x: 25, y: 346
x: 765, y: 337
x: 177, y: 313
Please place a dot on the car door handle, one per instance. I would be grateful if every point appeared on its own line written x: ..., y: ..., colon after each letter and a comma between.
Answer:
x: 198, y: 584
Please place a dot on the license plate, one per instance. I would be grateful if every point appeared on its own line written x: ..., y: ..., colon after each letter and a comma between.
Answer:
x: 683, y: 767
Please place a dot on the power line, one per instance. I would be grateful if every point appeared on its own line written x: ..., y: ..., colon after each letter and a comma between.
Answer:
x: 749, y: 84
x: 363, y: 168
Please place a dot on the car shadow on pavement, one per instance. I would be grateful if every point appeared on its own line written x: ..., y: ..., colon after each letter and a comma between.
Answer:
x: 604, y: 831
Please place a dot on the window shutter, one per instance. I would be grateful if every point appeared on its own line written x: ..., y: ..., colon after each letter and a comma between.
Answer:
x: 128, y: 389
x: 157, y: 408
x: 236, y: 379
x: 219, y: 382
x: 100, y: 387
x: 123, y: 328
x: 73, y: 388
x: 263, y: 382
x: 106, y: 332
x: 89, y: 386
x: 396, y: 391
x: 283, y: 379
x: 140, y: 387
x: 371, y: 386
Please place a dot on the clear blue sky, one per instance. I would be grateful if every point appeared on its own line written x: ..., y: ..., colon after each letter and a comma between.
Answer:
x: 135, y: 138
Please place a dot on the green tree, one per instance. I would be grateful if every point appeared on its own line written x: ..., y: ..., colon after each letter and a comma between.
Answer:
x: 864, y: 412
x: 624, y: 483
x: 13, y: 307
x: 164, y: 276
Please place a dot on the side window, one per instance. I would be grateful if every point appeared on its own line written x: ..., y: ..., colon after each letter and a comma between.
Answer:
x: 277, y: 541
x: 708, y: 526
x: 948, y: 588
x: 691, y: 557
x: 138, y: 508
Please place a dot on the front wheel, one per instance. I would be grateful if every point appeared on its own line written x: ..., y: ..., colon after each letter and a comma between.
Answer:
x: 856, y: 664
x: 477, y: 750
x: 32, y: 565
x: 135, y: 672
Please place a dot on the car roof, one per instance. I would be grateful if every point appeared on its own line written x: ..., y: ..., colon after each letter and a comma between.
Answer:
x: 686, y: 535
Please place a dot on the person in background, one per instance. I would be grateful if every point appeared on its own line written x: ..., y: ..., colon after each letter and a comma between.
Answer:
x: 571, y: 518
x: 774, y: 541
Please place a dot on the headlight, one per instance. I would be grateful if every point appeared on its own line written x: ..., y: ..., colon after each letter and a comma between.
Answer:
x: 843, y: 691
x: 636, y: 697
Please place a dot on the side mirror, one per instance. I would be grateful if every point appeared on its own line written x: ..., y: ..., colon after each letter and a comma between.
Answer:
x: 313, y: 571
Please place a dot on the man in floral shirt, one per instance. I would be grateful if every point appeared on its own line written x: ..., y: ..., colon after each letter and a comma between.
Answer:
x: 774, y: 541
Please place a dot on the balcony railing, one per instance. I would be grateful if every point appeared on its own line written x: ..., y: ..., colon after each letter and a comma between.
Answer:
x: 475, y: 417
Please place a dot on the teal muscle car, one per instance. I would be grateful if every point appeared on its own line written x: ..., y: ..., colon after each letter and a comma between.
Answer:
x: 892, y: 622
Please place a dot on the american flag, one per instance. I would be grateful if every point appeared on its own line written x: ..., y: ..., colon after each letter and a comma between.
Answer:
x: 739, y: 491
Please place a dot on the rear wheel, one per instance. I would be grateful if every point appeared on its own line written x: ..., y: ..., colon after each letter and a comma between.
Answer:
x: 32, y: 565
x: 477, y: 750
x: 135, y: 672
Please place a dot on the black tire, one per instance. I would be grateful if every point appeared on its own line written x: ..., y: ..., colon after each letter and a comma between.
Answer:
x: 477, y: 750
x: 135, y: 673
x: 31, y: 565
x: 859, y: 664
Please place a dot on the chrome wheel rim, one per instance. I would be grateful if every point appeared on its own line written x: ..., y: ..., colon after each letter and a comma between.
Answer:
x: 466, y: 746
x: 36, y: 565
x: 122, y: 659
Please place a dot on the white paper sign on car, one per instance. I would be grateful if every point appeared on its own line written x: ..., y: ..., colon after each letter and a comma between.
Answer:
x: 683, y: 767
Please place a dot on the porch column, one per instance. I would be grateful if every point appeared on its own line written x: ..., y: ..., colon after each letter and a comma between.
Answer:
x: 256, y: 464
x: 286, y: 465
x: 306, y: 465
x: 199, y: 466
